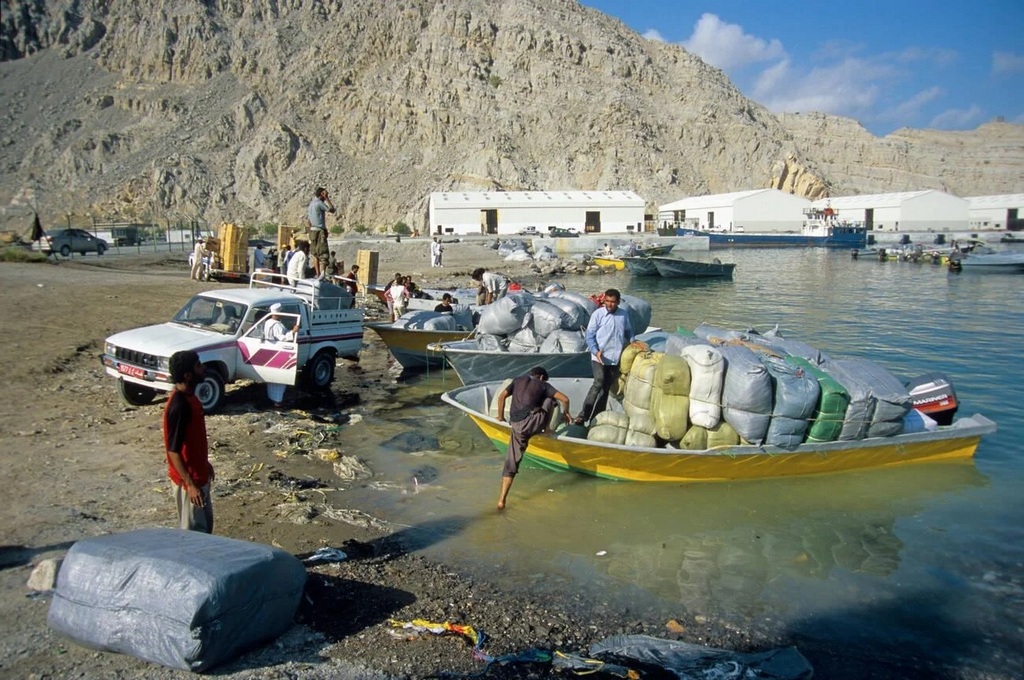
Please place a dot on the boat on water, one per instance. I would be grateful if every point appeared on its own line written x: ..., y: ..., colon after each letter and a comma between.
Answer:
x: 641, y: 266
x: 474, y: 365
x: 821, y: 229
x: 567, y: 450
x: 609, y: 261
x: 676, y: 268
x: 616, y: 258
x: 409, y: 346
x: 989, y: 260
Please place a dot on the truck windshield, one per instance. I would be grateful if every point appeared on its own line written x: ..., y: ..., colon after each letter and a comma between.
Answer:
x: 211, y: 314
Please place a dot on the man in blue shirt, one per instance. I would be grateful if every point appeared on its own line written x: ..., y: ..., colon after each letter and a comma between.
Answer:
x: 608, y: 333
x: 317, y: 215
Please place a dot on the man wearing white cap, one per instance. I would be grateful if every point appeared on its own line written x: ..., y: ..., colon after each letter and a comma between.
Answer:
x: 274, y: 332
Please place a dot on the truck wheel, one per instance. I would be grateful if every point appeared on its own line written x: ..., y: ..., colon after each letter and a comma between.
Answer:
x: 320, y: 371
x: 65, y: 250
x: 134, y: 394
x: 100, y: 249
x: 210, y: 392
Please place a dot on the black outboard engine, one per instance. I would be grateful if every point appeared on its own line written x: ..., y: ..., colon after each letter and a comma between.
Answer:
x: 933, y: 395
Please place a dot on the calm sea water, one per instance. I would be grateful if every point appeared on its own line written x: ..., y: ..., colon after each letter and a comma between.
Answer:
x: 926, y: 561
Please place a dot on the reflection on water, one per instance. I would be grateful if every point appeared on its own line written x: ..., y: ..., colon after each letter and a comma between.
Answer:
x: 779, y: 555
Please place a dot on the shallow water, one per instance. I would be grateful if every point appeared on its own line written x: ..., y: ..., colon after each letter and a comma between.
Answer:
x: 924, y: 561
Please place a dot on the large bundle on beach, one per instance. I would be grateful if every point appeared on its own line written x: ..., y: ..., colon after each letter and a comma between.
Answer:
x: 182, y: 599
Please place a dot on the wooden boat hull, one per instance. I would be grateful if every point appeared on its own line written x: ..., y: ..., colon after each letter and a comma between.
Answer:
x: 673, y: 268
x: 618, y: 462
x: 409, y: 345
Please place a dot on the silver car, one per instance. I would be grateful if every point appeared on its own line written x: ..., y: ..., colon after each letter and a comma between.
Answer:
x: 67, y: 241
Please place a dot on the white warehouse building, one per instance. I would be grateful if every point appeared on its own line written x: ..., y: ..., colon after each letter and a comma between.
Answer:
x: 916, y: 211
x: 509, y: 212
x: 758, y: 210
x: 1003, y: 211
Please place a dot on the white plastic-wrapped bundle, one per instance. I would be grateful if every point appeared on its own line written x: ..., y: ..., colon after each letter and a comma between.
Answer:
x: 418, y: 317
x: 524, y: 341
x: 640, y: 384
x: 505, y: 315
x: 655, y: 340
x: 577, y: 314
x: 183, y: 599
x: 490, y: 343
x: 878, y: 400
x: 675, y: 343
x: 581, y: 300
x: 639, y: 311
x: 640, y: 431
x: 716, y: 335
x: 746, y: 393
x: 707, y: 373
x: 610, y: 427
x: 564, y: 341
x: 546, y: 318
x: 796, y: 398
x: 774, y: 340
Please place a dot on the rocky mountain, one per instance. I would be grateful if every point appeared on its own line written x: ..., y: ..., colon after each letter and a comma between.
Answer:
x: 237, y: 109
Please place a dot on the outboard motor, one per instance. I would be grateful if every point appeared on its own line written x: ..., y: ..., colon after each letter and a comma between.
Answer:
x: 933, y: 395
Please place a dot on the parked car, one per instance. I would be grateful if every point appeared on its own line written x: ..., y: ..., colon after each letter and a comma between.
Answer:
x: 530, y: 231
x: 561, y: 232
x: 67, y: 241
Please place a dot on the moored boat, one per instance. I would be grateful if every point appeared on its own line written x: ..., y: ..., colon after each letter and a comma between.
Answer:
x: 676, y: 268
x: 474, y: 365
x: 641, y: 266
x: 409, y: 345
x: 743, y: 461
x: 989, y: 260
x: 609, y: 261
x: 821, y: 229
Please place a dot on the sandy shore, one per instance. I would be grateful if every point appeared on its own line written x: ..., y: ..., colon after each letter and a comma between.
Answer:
x: 79, y: 463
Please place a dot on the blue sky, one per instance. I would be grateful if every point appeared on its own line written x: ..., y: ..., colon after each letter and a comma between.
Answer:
x: 945, y: 64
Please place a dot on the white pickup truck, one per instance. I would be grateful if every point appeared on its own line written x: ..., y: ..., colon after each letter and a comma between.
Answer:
x: 225, y: 327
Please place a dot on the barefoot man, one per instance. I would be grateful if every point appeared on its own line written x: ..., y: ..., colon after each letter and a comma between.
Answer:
x: 533, y: 397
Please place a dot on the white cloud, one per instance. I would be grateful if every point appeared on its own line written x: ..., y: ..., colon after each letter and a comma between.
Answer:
x: 911, y: 108
x: 847, y: 88
x: 652, y: 34
x: 957, y: 119
x: 1005, y: 63
x: 726, y: 46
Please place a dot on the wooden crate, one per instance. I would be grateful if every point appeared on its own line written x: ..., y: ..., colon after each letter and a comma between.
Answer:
x: 367, y: 261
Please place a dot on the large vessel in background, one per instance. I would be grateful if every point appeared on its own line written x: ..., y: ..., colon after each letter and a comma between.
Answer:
x: 822, y: 228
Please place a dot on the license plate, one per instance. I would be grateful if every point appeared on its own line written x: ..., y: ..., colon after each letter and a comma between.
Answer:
x: 133, y: 371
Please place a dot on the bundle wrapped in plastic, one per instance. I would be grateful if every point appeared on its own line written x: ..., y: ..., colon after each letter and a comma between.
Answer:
x: 787, y: 346
x: 581, y: 300
x: 878, y: 399
x: 639, y: 312
x: 796, y: 398
x: 676, y: 343
x: 707, y: 373
x: 524, y: 341
x: 183, y: 599
x: 640, y: 431
x: 670, y: 398
x: 547, y: 317
x: 827, y: 423
x: 422, y: 319
x: 747, y: 393
x: 640, y: 384
x: 577, y: 314
x: 698, y: 438
x: 505, y: 315
x: 490, y: 343
x: 655, y: 340
x: 715, y: 335
x: 564, y: 341
x: 610, y: 427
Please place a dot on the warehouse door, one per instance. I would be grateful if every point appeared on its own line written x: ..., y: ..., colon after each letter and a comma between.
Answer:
x: 869, y: 218
x: 592, y: 222
x: 488, y: 221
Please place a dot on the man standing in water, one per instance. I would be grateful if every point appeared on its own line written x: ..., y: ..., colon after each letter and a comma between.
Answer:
x: 608, y: 333
x: 533, y: 397
x: 185, y: 443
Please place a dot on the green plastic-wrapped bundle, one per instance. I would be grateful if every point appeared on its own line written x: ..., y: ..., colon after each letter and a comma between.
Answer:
x: 832, y: 405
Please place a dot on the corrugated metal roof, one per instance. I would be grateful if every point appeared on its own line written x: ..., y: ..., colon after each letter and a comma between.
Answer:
x: 712, y: 200
x: 468, y: 199
x: 997, y: 201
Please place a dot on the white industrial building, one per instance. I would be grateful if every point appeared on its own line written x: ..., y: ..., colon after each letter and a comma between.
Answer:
x: 509, y: 212
x: 758, y: 210
x: 1003, y: 211
x: 914, y: 211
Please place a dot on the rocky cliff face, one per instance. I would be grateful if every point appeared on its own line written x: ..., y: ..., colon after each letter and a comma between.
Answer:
x: 238, y: 109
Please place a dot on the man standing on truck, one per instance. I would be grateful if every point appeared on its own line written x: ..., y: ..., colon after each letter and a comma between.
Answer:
x: 317, y: 215
x: 188, y: 463
x: 198, y: 254
x: 297, y: 262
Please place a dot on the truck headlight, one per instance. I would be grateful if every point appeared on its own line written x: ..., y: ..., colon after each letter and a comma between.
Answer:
x: 163, y: 364
x: 109, y: 348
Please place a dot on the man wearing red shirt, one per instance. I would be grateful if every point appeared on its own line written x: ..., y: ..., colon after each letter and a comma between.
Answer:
x: 188, y: 463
